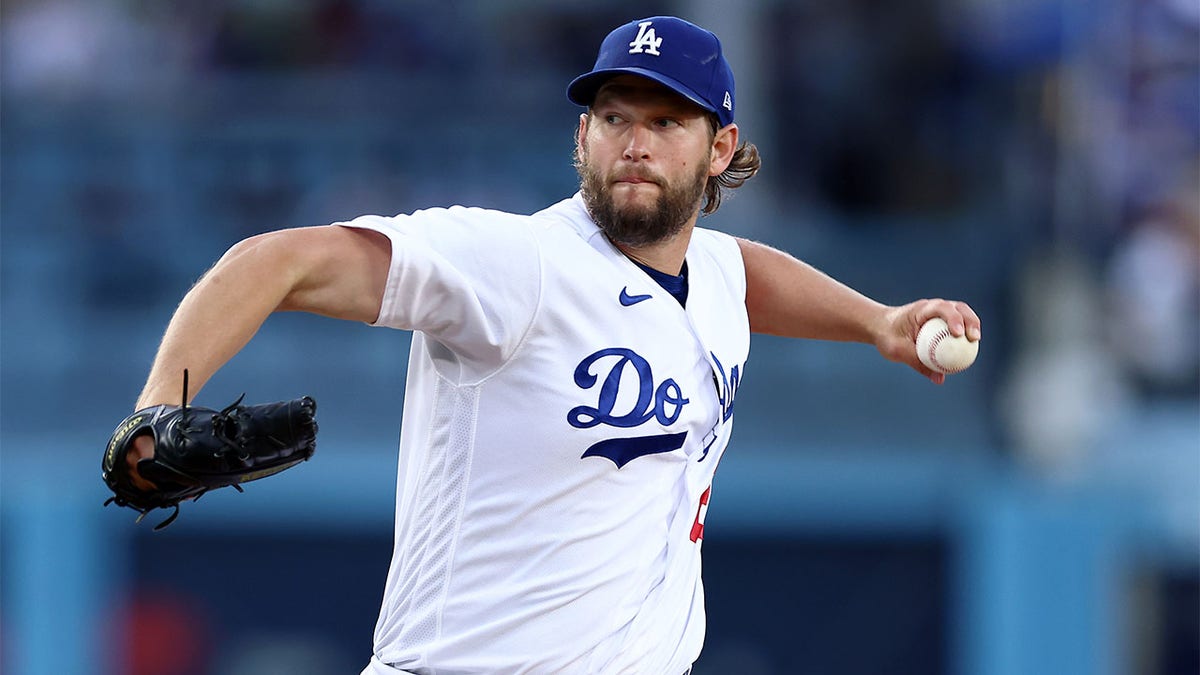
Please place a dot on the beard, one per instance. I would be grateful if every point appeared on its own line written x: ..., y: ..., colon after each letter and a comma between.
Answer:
x: 637, y: 226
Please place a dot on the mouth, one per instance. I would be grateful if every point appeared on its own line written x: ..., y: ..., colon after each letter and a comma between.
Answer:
x: 634, y: 180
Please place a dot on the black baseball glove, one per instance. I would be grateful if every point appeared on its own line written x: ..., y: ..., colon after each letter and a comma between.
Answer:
x: 200, y: 449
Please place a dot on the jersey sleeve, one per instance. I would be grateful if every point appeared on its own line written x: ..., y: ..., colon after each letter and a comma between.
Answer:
x: 468, y: 278
x: 725, y: 254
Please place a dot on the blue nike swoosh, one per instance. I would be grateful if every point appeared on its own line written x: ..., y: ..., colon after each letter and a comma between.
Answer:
x: 627, y: 299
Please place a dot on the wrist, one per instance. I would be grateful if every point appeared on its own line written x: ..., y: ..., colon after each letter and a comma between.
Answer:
x: 877, y: 324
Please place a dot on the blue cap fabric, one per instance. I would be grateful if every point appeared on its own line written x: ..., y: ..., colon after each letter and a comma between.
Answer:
x: 673, y: 52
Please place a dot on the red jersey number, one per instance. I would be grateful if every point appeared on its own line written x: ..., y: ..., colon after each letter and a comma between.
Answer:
x: 701, y: 511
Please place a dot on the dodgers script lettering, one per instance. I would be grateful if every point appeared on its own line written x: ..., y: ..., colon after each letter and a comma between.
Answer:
x: 662, y: 402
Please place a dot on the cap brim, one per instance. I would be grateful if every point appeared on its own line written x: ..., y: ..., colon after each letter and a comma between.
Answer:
x: 583, y: 89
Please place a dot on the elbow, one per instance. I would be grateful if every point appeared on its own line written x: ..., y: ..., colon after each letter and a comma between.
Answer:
x: 257, y: 251
x: 265, y: 265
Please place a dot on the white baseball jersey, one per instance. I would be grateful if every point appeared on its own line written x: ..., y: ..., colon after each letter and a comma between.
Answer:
x: 562, y: 422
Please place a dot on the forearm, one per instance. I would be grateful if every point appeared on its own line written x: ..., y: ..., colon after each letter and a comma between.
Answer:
x: 217, y: 318
x: 790, y: 298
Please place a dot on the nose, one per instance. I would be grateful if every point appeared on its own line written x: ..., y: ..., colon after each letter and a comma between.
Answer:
x: 638, y: 145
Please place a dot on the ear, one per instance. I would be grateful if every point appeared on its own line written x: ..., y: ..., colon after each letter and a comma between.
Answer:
x: 581, y: 132
x: 725, y: 142
x: 581, y: 135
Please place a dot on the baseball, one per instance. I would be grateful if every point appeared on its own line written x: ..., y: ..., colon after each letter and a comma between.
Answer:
x: 942, y: 352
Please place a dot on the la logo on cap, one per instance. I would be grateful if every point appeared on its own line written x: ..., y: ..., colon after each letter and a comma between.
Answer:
x: 645, y: 42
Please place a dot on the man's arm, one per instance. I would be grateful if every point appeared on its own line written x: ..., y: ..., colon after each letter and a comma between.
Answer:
x: 787, y: 297
x: 334, y: 271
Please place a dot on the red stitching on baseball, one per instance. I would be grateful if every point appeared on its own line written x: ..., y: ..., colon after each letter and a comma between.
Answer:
x: 933, y: 352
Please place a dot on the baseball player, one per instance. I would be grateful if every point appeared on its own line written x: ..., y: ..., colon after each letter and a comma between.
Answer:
x: 572, y: 380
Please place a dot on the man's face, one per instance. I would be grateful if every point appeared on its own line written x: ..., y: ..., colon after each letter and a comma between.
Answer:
x: 644, y: 156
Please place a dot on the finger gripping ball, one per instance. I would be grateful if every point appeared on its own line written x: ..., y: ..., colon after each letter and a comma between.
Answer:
x: 942, y: 352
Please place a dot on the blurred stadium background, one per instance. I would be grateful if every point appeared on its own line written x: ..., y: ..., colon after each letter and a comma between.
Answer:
x: 1037, y: 515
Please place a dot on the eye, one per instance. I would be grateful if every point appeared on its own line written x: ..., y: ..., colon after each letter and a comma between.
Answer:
x: 612, y: 119
x: 666, y: 122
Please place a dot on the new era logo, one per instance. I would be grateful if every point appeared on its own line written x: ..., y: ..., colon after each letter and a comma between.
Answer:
x: 645, y: 42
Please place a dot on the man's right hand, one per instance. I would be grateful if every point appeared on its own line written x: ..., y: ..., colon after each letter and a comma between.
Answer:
x: 143, y: 448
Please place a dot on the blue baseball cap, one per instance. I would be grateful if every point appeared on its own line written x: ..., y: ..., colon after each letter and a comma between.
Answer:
x: 675, y: 53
